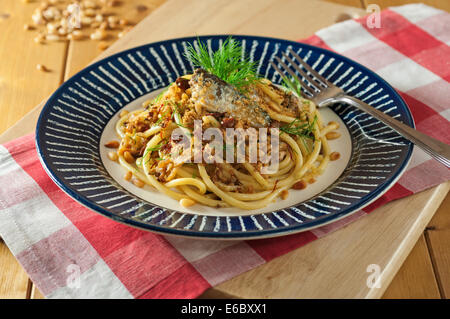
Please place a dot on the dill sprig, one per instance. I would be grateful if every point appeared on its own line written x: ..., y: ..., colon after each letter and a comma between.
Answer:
x: 292, y: 84
x: 300, y: 129
x: 226, y: 63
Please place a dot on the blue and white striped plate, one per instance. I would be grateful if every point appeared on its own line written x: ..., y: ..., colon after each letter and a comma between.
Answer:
x: 78, y: 117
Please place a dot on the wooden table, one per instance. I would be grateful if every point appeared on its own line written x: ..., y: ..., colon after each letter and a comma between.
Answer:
x: 333, y: 266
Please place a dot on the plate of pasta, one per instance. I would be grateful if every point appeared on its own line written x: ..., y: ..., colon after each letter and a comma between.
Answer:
x: 201, y: 137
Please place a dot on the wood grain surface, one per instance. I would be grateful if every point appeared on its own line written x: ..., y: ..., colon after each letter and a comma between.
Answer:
x: 332, y: 266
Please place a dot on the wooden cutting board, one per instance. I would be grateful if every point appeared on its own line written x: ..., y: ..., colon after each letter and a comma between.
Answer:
x: 334, y: 266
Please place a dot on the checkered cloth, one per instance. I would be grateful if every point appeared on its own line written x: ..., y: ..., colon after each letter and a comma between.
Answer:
x: 72, y: 252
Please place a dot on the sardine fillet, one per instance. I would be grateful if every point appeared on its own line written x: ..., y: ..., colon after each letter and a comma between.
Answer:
x: 218, y: 96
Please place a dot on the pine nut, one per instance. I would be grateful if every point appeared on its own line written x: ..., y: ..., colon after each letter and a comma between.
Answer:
x: 123, y: 113
x: 300, y: 185
x: 113, y: 156
x: 62, y: 31
x: 124, y: 22
x: 137, y: 182
x: 113, y: 3
x: 37, y: 17
x: 128, y: 175
x: 52, y: 37
x: 113, y: 19
x: 89, y: 13
x: 141, y: 8
x: 28, y: 27
x: 103, y: 45
x: 334, y: 123
x: 332, y: 135
x: 86, y: 21
x: 124, y: 31
x: 284, y: 194
x: 89, y: 4
x: 103, y: 26
x: 312, y: 180
x: 99, y: 18
x: 42, y: 68
x: 112, y: 144
x: 187, y: 202
x: 128, y: 157
x: 335, y: 156
x: 76, y: 35
x: 39, y: 39
x: 99, y: 34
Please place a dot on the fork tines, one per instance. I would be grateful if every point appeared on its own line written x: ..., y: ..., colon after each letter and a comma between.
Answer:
x: 310, y: 80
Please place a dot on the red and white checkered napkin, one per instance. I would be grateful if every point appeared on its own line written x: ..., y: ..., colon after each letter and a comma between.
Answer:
x: 55, y: 238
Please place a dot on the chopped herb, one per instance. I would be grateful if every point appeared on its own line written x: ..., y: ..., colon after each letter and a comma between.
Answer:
x: 226, y: 63
x: 156, y: 100
x: 163, y: 117
x: 300, y: 129
x: 292, y: 84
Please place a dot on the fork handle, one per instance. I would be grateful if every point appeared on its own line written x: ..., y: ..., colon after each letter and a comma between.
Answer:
x: 437, y: 149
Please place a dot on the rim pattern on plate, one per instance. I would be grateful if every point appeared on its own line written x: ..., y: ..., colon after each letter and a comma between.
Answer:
x: 71, y: 123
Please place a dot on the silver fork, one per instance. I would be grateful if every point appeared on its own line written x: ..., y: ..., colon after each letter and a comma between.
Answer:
x: 324, y: 93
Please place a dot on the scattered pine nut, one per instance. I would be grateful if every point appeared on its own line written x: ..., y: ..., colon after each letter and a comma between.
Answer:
x: 300, y: 185
x: 137, y: 182
x: 123, y: 113
x: 28, y: 27
x: 52, y: 37
x: 128, y: 157
x: 113, y: 156
x: 39, y: 39
x: 90, y: 13
x: 124, y: 31
x: 99, y: 34
x: 141, y: 8
x: 124, y: 22
x: 42, y: 68
x: 76, y: 35
x: 312, y: 180
x: 112, y: 144
x: 55, y: 20
x: 113, y: 19
x: 334, y: 123
x: 332, y: 135
x: 187, y: 202
x: 335, y: 156
x: 284, y: 194
x: 113, y: 3
x: 103, y: 26
x: 103, y: 45
x: 89, y: 4
x: 128, y: 175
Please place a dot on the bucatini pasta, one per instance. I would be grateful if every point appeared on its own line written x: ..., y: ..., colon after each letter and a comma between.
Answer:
x: 200, y: 101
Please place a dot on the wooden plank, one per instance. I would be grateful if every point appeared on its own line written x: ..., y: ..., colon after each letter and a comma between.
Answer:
x: 223, y: 16
x: 22, y: 86
x: 36, y: 294
x: 440, y: 4
x: 416, y: 278
x: 81, y: 53
x: 13, y: 279
x: 353, y: 3
x: 335, y: 266
x: 438, y: 236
